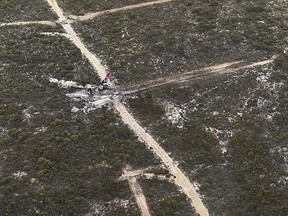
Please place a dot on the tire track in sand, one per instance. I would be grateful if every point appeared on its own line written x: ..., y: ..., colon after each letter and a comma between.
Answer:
x: 72, y: 35
x: 44, y: 22
x: 194, y: 75
x: 180, y: 179
x: 140, y: 198
x: 114, y: 10
x: 131, y: 176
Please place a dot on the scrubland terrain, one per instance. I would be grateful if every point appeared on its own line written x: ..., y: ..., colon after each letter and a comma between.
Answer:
x: 206, y: 79
x: 54, y: 161
x: 86, y: 6
x: 25, y: 10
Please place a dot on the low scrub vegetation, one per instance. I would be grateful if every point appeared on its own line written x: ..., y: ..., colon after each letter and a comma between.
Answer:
x: 164, y: 198
x: 25, y: 10
x: 232, y: 139
x: 54, y: 161
x: 143, y: 44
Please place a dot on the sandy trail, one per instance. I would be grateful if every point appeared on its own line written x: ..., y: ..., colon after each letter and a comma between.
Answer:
x: 139, y: 196
x: 55, y: 34
x: 221, y: 66
x: 93, y: 15
x: 255, y: 64
x: 192, y: 76
x: 44, y: 22
x: 128, y: 172
x: 71, y: 34
x: 131, y: 176
x: 180, y: 178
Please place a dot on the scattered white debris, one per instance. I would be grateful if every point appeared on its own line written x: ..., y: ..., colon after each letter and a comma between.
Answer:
x: 97, y: 103
x: 175, y: 114
x: 27, y: 115
x: 222, y: 136
x: 87, y: 86
x: 41, y: 129
x: 3, y: 131
x: 74, y: 109
x: 263, y: 78
x: 92, y: 101
x: 263, y: 81
x: 65, y: 84
x: 43, y: 22
x: 283, y: 180
x: 101, y: 209
x: 196, y: 185
x: 231, y: 119
x: 78, y: 95
x: 54, y: 34
x: 223, y: 146
x: 262, y: 102
x: 148, y: 175
x: 19, y: 174
x: 282, y: 151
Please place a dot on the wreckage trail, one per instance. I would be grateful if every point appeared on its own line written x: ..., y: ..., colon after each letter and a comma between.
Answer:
x: 180, y: 179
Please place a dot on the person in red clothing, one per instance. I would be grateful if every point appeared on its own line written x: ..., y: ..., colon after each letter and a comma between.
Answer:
x: 103, y: 83
x: 108, y: 75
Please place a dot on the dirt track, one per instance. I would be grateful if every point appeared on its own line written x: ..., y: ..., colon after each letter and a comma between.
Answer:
x: 71, y: 34
x: 140, y: 198
x: 93, y: 15
x: 180, y: 179
x: 131, y: 176
x: 44, y: 22
x: 191, y: 76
